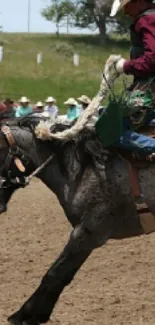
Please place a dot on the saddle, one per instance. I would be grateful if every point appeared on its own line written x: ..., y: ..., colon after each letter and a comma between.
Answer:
x: 135, y: 162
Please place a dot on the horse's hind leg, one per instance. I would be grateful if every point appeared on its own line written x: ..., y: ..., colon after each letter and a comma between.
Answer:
x: 40, y: 305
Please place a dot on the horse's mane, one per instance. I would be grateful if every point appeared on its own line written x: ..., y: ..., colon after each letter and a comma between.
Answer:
x: 86, y: 140
x: 30, y: 119
x: 22, y: 121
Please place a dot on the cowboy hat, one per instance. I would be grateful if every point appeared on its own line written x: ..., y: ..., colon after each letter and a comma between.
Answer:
x: 117, y: 5
x: 8, y: 101
x: 39, y: 104
x: 70, y: 101
x: 50, y: 100
x: 84, y: 99
x: 24, y: 100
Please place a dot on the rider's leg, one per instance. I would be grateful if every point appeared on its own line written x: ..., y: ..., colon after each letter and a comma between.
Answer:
x: 131, y: 140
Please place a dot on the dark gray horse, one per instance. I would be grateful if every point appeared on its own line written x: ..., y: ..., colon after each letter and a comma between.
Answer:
x: 93, y: 189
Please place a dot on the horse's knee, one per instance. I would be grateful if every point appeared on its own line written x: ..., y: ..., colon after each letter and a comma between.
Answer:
x: 92, y: 235
x: 81, y: 232
x: 82, y: 238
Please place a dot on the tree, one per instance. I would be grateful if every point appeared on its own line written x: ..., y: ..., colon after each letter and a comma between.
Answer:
x: 93, y: 14
x: 60, y: 11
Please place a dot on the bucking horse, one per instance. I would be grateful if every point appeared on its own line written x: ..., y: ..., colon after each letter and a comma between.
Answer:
x: 91, y: 183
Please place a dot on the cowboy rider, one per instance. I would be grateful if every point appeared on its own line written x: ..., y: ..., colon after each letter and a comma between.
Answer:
x: 142, y: 66
x: 142, y: 59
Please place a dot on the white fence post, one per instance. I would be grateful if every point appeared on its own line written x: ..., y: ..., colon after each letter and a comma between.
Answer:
x: 39, y: 58
x: 1, y: 53
x: 76, y: 60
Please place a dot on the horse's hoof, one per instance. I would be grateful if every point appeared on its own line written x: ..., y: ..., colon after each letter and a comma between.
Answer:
x: 13, y: 321
x: 2, y: 208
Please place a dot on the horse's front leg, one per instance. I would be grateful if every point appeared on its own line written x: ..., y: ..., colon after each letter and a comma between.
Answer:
x: 39, y: 306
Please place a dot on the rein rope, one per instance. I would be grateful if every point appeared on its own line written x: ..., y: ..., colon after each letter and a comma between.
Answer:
x: 39, y: 169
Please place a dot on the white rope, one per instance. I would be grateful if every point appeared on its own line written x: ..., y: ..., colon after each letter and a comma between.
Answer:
x: 43, y: 128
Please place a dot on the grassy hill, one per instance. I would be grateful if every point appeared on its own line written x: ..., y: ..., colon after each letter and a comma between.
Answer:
x: 56, y: 76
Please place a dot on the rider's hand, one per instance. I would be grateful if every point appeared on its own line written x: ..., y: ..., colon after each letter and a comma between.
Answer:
x: 114, y: 66
x: 119, y: 66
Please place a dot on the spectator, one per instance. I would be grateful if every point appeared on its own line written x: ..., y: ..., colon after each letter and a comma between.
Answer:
x: 24, y: 108
x: 10, y: 108
x: 51, y: 109
x: 84, y: 101
x: 39, y: 109
x: 2, y: 107
x: 40, y: 106
x: 73, y: 111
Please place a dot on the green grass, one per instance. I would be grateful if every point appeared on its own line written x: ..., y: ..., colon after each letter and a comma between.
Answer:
x: 56, y: 76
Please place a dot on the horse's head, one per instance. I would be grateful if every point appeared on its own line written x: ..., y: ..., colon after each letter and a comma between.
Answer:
x: 18, y: 158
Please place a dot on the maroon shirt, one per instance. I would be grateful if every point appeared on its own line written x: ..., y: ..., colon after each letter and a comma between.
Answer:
x: 145, y: 64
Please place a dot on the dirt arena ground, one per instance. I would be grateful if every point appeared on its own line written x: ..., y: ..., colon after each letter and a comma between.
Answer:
x: 115, y: 286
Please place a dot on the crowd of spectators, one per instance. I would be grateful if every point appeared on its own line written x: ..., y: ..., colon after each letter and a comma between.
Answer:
x: 74, y: 107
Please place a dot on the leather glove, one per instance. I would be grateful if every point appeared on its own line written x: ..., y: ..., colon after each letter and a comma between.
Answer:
x: 114, y: 65
x: 119, y: 66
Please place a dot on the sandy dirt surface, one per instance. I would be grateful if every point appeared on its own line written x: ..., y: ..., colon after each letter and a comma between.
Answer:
x: 115, y: 286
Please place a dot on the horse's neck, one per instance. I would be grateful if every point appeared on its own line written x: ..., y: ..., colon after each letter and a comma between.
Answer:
x: 63, y: 175
x: 53, y: 179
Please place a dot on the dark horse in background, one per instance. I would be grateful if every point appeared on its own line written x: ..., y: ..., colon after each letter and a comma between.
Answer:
x: 92, y: 187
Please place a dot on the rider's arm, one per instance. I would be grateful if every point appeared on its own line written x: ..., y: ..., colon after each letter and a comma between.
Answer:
x: 145, y: 64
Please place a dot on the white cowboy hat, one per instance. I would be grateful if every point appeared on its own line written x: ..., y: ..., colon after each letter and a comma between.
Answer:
x: 84, y: 99
x: 117, y: 5
x: 70, y: 101
x: 39, y: 104
x: 24, y: 100
x: 50, y: 100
